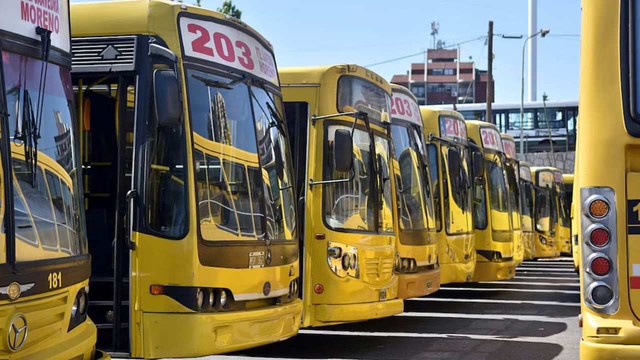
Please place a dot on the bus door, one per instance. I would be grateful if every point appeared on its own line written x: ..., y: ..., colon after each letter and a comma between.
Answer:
x: 113, y: 130
x: 297, y: 114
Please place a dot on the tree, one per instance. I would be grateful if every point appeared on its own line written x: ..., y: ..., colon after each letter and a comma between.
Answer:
x: 230, y: 9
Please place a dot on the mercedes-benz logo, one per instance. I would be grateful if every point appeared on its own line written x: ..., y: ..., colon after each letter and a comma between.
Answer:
x: 17, y: 334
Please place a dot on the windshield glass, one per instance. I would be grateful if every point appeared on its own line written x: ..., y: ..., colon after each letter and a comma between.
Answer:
x: 564, y: 215
x: 514, y: 193
x: 242, y: 161
x: 349, y: 204
x: 457, y: 201
x: 526, y: 208
x: 498, y: 197
x: 383, y: 151
x: 543, y: 210
x: 49, y: 221
x: 415, y: 205
x: 357, y: 94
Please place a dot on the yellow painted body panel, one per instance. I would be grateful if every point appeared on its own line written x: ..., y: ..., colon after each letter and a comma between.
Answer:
x: 608, y: 157
x: 343, y: 299
x: 48, y: 317
x: 497, y: 238
x: 456, y: 252
x: 160, y: 326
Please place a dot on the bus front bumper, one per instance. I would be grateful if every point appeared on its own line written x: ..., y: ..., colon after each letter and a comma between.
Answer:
x: 598, y: 351
x: 334, y: 314
x: 494, y: 270
x: 456, y: 272
x: 199, y: 334
x: 420, y: 284
x: 77, y: 344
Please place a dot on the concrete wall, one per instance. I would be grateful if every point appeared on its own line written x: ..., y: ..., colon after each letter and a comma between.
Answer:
x: 563, y: 160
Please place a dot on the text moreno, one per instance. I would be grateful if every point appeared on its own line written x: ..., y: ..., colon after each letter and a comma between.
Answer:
x: 43, y: 13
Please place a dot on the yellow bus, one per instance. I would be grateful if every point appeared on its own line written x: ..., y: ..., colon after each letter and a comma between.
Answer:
x: 567, y: 179
x: 450, y: 171
x: 545, y: 214
x: 44, y: 261
x: 513, y: 174
x: 492, y: 206
x: 190, y: 196
x: 417, y: 247
x: 338, y: 117
x: 608, y: 180
x: 527, y: 210
x: 564, y: 215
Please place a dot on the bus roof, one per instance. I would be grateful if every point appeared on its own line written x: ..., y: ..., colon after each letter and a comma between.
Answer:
x: 317, y: 74
x: 131, y: 17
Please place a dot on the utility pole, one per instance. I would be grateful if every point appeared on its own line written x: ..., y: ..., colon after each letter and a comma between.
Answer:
x: 489, y: 117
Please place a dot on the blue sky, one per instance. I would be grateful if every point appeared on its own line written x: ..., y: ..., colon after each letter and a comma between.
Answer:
x: 368, y: 32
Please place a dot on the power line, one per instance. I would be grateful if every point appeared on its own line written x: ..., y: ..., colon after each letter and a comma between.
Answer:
x: 423, y: 51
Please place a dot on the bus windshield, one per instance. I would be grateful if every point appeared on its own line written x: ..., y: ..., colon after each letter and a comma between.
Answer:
x: 457, y: 203
x: 498, y: 198
x: 526, y: 202
x: 514, y: 196
x: 543, y: 210
x: 357, y: 94
x: 350, y: 204
x: 242, y: 161
x: 415, y: 205
x: 44, y: 155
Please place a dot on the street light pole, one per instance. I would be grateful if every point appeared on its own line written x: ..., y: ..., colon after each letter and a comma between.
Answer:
x: 542, y: 33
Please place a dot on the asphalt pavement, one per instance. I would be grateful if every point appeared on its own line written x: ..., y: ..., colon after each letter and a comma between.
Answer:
x: 532, y: 316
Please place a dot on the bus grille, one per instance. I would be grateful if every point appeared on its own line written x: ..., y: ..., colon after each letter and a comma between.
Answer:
x: 103, y: 54
x: 377, y: 269
x: 45, y: 319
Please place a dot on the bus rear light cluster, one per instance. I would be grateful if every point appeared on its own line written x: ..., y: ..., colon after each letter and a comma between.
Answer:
x: 599, y: 249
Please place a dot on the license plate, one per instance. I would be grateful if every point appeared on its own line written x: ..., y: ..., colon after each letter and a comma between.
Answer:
x: 383, y: 295
x: 256, y: 259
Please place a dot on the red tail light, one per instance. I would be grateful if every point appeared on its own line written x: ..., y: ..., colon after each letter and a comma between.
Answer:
x: 599, y: 237
x: 600, y: 266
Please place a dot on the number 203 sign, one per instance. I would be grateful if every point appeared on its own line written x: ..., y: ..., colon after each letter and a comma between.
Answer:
x: 228, y: 46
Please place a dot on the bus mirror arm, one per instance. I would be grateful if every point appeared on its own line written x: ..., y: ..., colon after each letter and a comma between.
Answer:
x: 336, y: 181
x: 131, y: 197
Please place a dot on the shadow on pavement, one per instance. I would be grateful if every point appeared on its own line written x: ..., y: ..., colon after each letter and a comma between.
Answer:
x: 362, y: 347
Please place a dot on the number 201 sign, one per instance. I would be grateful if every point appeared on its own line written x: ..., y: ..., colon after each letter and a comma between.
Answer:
x: 228, y: 46
x: 491, y: 139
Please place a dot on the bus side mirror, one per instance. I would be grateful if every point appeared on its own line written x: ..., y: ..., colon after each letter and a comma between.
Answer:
x: 478, y: 163
x: 343, y: 150
x: 453, y: 157
x: 166, y: 96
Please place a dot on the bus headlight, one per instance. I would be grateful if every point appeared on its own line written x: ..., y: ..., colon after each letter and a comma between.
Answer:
x: 342, y: 259
x: 223, y: 298
x: 78, y: 309
x: 199, y: 299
